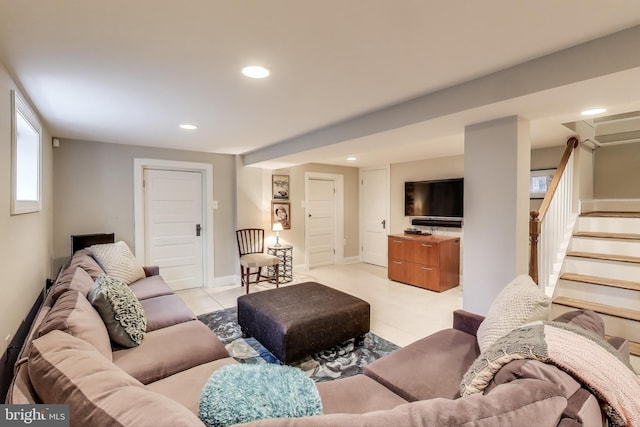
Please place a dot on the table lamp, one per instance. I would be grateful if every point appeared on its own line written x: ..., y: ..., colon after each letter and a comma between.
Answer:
x: 277, y: 227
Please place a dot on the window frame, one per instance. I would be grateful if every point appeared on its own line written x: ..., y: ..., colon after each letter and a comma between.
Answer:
x: 20, y: 107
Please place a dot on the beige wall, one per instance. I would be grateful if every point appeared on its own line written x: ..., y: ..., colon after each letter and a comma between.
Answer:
x: 93, y: 184
x: 254, y: 204
x: 617, y: 172
x: 26, y: 241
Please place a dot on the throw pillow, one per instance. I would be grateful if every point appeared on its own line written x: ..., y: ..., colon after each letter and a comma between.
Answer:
x: 241, y: 393
x: 586, y: 319
x: 120, y: 310
x: 520, y: 302
x: 117, y: 261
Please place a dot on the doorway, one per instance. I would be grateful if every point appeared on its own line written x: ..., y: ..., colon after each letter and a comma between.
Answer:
x: 174, y: 220
x: 374, y: 208
x: 324, y: 219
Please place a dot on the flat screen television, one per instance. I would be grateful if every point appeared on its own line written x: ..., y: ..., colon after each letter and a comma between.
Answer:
x: 438, y: 199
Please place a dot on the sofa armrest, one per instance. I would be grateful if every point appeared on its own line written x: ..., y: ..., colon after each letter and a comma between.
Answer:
x: 151, y: 270
x: 466, y: 321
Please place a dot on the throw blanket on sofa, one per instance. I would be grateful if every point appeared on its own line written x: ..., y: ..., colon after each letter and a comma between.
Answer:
x: 586, y: 357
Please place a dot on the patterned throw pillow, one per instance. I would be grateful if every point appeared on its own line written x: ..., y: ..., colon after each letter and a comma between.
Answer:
x: 120, y: 310
x: 520, y: 302
x: 117, y: 261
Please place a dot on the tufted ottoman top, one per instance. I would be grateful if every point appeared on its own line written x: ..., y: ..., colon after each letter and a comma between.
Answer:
x: 297, y: 320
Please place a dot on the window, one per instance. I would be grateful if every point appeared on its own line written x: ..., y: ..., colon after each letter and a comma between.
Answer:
x: 26, y: 148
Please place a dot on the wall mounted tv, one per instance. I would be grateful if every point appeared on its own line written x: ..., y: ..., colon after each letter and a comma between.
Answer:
x: 438, y: 199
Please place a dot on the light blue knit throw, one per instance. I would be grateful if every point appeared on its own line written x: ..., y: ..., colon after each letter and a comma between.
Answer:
x: 241, y: 393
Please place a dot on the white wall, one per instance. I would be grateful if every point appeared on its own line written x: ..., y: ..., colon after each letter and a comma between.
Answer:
x: 496, y: 203
x: 26, y: 241
x: 93, y: 184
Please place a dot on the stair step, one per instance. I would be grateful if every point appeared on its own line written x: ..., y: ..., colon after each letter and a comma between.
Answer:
x: 600, y: 235
x: 623, y: 313
x: 605, y: 214
x: 605, y: 257
x: 604, y: 281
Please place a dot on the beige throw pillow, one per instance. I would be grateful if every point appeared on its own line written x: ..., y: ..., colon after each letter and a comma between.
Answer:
x: 520, y: 302
x: 117, y: 261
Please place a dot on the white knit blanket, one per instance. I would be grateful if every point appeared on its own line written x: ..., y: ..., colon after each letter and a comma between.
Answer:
x: 586, y: 357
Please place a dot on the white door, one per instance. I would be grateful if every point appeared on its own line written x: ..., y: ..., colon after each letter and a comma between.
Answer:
x: 173, y: 226
x: 321, y: 222
x: 374, y: 216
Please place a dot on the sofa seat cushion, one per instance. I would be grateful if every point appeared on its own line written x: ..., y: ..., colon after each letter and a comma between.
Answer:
x: 428, y: 368
x: 73, y: 313
x: 523, y: 402
x: 169, y: 350
x: 356, y: 395
x: 165, y: 310
x: 185, y: 387
x: 65, y: 369
x: 150, y: 287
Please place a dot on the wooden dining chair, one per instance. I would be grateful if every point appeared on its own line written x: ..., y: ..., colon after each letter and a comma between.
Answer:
x: 252, y: 256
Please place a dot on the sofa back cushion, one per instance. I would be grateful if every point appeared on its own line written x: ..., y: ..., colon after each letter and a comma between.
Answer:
x: 83, y: 260
x: 73, y: 313
x: 65, y: 369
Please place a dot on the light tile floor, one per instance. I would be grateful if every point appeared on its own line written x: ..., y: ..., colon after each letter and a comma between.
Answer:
x: 399, y: 313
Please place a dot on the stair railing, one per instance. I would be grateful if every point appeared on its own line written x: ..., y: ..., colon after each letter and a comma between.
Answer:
x: 550, y: 227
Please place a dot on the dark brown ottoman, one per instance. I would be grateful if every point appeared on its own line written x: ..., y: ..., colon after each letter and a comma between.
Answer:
x: 298, y: 320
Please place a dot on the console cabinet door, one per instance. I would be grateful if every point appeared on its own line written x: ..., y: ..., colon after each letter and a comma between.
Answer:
x: 397, y: 270
x: 397, y: 247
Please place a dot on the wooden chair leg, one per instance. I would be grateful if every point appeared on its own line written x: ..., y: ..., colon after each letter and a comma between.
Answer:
x: 277, y: 267
x: 247, y: 277
x: 259, y: 274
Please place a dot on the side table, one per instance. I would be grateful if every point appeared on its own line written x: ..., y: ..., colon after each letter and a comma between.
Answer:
x: 285, y: 268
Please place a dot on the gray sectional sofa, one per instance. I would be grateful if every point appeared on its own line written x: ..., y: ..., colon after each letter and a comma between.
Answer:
x: 68, y: 358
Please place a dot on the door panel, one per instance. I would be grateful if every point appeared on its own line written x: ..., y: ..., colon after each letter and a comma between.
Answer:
x: 374, y: 216
x: 321, y: 222
x: 173, y: 208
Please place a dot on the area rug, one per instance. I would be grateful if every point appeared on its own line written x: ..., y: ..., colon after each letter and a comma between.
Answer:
x: 340, y: 361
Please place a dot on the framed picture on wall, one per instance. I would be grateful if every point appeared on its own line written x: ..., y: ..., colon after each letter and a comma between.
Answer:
x: 281, y: 212
x: 539, y: 182
x: 280, y: 186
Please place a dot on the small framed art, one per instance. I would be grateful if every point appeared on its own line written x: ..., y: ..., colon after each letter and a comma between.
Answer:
x: 280, y: 186
x: 281, y: 212
x: 539, y: 183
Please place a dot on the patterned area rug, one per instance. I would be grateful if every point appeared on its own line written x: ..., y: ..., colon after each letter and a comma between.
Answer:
x: 340, y: 361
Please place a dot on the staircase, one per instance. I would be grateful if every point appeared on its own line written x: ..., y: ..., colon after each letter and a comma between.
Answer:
x: 601, y: 272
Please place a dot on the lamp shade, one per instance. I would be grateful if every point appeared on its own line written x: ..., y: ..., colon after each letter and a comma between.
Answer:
x: 277, y: 226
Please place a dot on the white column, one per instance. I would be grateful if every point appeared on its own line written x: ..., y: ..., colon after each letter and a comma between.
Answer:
x: 497, y: 158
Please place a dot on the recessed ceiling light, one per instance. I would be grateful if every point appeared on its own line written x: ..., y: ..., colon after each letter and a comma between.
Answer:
x: 188, y: 127
x: 255, y: 72
x: 593, y: 111
x: 351, y: 159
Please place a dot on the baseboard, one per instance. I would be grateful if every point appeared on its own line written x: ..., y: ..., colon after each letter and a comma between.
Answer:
x: 351, y: 260
x: 233, y: 279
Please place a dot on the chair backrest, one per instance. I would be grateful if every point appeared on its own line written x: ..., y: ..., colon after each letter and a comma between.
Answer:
x: 250, y: 240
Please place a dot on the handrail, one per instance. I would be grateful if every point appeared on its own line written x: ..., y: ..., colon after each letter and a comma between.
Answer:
x: 537, y: 216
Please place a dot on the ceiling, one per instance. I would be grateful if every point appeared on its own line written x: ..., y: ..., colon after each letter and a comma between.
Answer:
x: 130, y: 72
